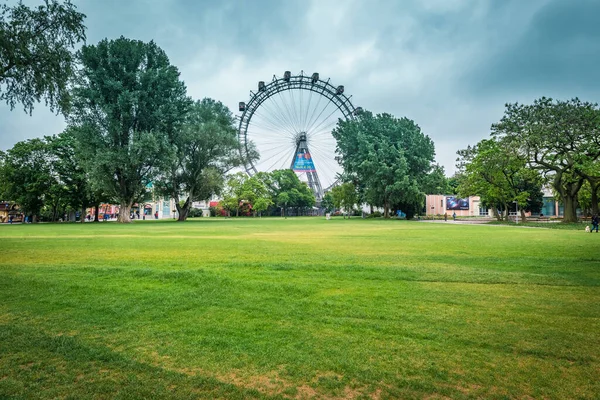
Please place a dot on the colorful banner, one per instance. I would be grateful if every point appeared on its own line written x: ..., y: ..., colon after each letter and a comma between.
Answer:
x: 304, y: 163
x: 453, y: 203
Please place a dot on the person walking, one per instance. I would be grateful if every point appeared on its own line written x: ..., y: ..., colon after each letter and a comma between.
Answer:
x: 445, y: 217
x: 594, y: 223
x: 454, y: 216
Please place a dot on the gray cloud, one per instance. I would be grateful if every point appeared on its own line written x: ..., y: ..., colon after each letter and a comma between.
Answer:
x: 448, y: 64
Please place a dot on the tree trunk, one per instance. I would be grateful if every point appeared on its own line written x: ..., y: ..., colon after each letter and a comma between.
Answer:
x: 595, y: 188
x: 495, y: 214
x: 124, y: 211
x: 570, y: 209
x: 386, y: 211
x: 182, y: 211
x: 97, y: 213
x: 523, y: 217
x: 371, y: 208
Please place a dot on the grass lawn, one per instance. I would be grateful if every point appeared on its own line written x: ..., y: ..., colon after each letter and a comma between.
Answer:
x: 298, y: 308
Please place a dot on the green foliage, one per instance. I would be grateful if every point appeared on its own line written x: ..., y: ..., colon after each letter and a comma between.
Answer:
x: 388, y: 158
x: 281, y: 188
x: 436, y: 182
x: 559, y: 138
x: 27, y: 175
x: 500, y: 175
x: 327, y: 202
x: 204, y: 149
x: 127, y: 103
x: 345, y: 196
x: 36, y: 60
x: 68, y: 167
x: 288, y: 191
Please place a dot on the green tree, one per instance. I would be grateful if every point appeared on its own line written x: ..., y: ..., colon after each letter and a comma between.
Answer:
x: 28, y: 175
x: 590, y: 171
x: 36, y: 59
x: 288, y: 191
x: 205, y: 149
x: 127, y: 101
x: 345, y: 196
x: 388, y: 158
x: 500, y: 175
x: 436, y: 182
x: 327, y: 202
x: 556, y: 137
x: 76, y: 188
x: 234, y: 192
x: 256, y: 191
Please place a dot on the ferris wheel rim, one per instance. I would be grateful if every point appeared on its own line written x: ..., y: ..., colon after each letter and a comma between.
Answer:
x: 286, y: 83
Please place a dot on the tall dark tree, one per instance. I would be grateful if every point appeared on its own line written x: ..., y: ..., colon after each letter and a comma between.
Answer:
x: 36, y: 59
x: 127, y: 102
x: 388, y: 158
x: 205, y: 148
x: 556, y: 137
x: 78, y: 192
x: 28, y: 175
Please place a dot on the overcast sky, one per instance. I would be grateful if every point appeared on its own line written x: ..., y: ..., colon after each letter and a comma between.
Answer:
x: 450, y: 65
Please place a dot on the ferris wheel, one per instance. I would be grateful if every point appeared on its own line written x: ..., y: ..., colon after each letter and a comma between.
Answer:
x: 289, y: 121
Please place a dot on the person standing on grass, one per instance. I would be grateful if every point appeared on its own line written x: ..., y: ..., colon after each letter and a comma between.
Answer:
x: 445, y: 217
x: 454, y: 216
x: 594, y: 223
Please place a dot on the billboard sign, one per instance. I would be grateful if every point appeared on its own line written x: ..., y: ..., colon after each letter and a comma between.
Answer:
x: 454, y: 203
x: 304, y: 163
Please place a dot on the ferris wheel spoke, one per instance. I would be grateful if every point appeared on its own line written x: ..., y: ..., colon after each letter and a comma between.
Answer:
x: 275, y: 124
x: 271, y: 153
x: 318, y: 117
x: 316, y: 107
x: 305, y: 120
x: 280, y: 115
x: 295, y: 109
x: 327, y: 118
x: 279, y: 161
x: 324, y: 130
x: 286, y: 107
x: 276, y: 129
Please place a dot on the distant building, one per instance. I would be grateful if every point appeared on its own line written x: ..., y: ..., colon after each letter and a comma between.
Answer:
x: 440, y: 204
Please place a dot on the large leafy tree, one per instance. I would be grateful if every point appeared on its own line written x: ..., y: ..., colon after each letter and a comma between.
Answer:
x: 287, y: 190
x: 127, y: 102
x: 28, y: 177
x: 205, y: 148
x: 500, y: 175
x: 591, y: 172
x: 388, y: 158
x: 75, y: 186
x: 558, y: 138
x: 345, y: 196
x: 36, y: 59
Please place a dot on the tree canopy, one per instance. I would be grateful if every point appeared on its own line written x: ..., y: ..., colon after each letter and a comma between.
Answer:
x: 36, y: 58
x: 28, y: 177
x: 561, y: 138
x: 501, y: 176
x: 204, y: 149
x: 388, y: 158
x: 128, y: 101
